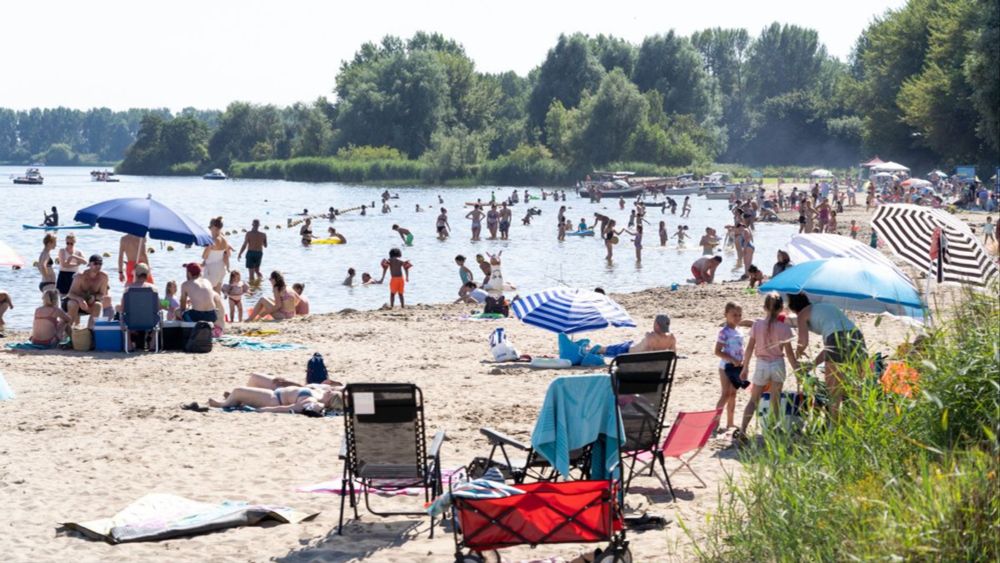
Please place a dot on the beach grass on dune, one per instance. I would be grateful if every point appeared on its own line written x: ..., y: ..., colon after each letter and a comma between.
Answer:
x: 895, y: 477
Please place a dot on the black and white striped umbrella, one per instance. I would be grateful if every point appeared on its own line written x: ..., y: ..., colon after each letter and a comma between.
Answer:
x: 910, y: 231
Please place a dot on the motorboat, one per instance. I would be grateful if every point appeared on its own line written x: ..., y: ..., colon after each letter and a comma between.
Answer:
x: 31, y: 177
x: 103, y: 176
x: 215, y: 174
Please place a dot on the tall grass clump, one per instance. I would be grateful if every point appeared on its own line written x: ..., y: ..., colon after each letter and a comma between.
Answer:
x: 908, y: 471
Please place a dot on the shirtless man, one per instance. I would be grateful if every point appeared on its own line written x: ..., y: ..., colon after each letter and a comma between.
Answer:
x: 404, y: 234
x: 88, y: 291
x: 660, y: 339
x: 131, y: 251
x: 254, y: 244
x: 704, y: 268
x: 204, y: 301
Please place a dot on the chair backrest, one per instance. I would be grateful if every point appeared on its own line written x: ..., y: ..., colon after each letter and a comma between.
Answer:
x: 642, y: 383
x: 691, y: 431
x: 384, y: 425
x: 140, y: 308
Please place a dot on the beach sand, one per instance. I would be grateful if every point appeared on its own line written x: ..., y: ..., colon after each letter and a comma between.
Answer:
x: 90, y: 433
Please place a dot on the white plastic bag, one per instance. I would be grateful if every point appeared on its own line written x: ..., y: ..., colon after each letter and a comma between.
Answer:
x: 501, y: 349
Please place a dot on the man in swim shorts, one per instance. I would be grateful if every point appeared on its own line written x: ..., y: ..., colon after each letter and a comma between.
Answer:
x: 254, y: 244
x: 86, y: 295
x: 660, y: 339
x: 704, y: 268
x: 505, y: 217
x: 204, y: 301
x: 131, y: 251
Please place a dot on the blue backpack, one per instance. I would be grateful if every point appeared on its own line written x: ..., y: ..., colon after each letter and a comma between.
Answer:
x: 316, y: 369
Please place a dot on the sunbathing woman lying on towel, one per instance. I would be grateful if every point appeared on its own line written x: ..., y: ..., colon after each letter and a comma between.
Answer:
x: 268, y: 394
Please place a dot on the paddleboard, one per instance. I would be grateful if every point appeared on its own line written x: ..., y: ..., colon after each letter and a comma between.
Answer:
x: 60, y: 228
x: 327, y: 241
x: 587, y: 233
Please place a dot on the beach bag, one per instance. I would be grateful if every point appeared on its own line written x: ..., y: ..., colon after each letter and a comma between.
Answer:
x: 502, y: 350
x: 200, y: 340
x: 83, y: 339
x: 496, y: 306
x: 316, y: 371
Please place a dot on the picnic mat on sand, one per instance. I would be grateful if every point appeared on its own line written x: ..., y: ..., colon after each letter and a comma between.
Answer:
x: 254, y: 344
x: 160, y: 516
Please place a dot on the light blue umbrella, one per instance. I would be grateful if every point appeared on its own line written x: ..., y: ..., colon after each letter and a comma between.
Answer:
x: 851, y: 284
x: 141, y: 216
x: 571, y: 310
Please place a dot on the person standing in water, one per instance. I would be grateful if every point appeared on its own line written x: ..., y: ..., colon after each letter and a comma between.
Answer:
x: 254, y: 243
x: 404, y: 234
x: 637, y: 241
x: 492, y: 221
x: 399, y: 274
x: 686, y: 209
x: 663, y: 233
x: 442, y: 225
x: 476, y: 215
x: 505, y: 217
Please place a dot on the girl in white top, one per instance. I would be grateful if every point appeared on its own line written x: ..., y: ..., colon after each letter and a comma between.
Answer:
x: 216, y: 256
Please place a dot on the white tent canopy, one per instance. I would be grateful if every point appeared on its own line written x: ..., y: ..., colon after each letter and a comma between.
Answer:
x: 820, y: 246
x: 890, y: 167
x: 821, y: 173
x: 939, y: 174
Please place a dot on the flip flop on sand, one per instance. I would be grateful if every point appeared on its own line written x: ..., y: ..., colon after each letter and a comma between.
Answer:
x: 194, y: 407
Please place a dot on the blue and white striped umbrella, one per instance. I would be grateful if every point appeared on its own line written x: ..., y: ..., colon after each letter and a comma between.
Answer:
x: 571, y: 310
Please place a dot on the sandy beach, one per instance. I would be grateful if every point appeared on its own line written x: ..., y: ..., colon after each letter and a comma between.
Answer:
x: 89, y: 433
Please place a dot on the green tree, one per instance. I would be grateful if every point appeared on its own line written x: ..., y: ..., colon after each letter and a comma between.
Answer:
x: 670, y: 65
x: 570, y: 68
x: 982, y: 72
x: 611, y: 115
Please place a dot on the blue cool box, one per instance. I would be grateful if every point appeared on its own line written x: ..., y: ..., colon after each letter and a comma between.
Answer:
x: 108, y: 336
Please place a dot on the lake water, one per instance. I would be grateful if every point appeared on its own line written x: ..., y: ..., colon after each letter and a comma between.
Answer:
x: 532, y: 259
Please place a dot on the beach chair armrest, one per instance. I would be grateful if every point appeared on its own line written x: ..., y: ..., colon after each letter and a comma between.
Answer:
x: 499, y: 438
x: 436, y: 443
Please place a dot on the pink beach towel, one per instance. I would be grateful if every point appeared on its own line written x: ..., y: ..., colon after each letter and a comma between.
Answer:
x: 333, y: 486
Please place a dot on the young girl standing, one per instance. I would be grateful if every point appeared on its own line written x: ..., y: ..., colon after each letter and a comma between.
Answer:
x: 234, y: 291
x: 771, y: 341
x: 729, y: 349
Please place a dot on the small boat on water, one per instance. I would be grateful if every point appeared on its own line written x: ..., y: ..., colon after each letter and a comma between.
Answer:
x: 31, y: 177
x: 215, y: 174
x: 103, y: 176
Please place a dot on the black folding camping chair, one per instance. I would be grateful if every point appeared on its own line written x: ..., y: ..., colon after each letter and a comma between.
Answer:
x: 531, y: 467
x: 385, y: 446
x: 642, y: 383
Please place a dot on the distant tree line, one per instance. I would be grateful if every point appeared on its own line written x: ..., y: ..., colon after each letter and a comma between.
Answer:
x: 58, y: 136
x: 922, y: 86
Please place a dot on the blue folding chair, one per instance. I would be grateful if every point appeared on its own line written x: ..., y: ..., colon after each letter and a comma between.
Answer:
x: 141, y: 312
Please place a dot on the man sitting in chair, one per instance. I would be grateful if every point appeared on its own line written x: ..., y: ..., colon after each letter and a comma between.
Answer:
x: 659, y: 340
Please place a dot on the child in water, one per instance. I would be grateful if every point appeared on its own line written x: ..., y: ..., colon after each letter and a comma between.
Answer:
x: 367, y: 279
x: 680, y: 235
x: 582, y: 225
x: 399, y: 274
x: 234, y: 291
x: 404, y: 234
x: 349, y: 280
x: 663, y: 233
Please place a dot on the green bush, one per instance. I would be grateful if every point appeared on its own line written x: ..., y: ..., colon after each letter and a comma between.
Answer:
x: 894, y: 477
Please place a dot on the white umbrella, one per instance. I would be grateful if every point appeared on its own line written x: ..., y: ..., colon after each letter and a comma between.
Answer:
x: 819, y: 246
x: 821, y: 173
x: 890, y: 167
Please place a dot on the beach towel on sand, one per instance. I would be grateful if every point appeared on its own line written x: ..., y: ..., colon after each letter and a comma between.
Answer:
x: 253, y: 344
x: 160, y: 516
x: 26, y: 346
x: 333, y: 486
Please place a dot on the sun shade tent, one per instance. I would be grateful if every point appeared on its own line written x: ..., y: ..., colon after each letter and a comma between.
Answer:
x: 145, y: 216
x: 570, y: 311
x: 909, y: 231
x: 851, y: 284
x: 818, y: 246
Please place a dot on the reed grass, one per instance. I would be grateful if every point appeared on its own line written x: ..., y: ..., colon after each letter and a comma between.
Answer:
x: 894, y: 477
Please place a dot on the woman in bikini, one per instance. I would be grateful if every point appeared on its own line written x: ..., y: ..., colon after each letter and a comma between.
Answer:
x: 50, y: 322
x: 260, y: 395
x: 476, y: 215
x: 281, y: 307
x: 45, y: 263
x: 70, y: 260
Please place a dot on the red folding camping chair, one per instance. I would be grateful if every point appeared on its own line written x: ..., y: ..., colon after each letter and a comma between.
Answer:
x: 689, y: 433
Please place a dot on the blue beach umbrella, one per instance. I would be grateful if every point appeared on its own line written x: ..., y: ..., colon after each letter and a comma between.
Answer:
x: 851, y: 284
x: 141, y: 216
x: 571, y: 310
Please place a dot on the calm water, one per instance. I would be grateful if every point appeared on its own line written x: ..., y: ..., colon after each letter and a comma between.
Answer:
x: 532, y: 259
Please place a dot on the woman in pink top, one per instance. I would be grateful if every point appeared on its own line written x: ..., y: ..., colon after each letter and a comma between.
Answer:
x: 771, y: 341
